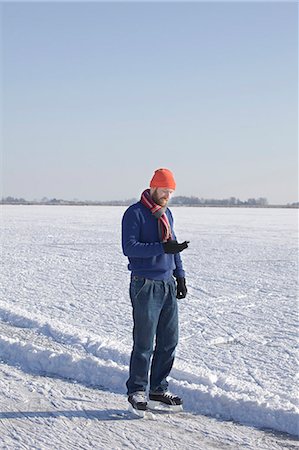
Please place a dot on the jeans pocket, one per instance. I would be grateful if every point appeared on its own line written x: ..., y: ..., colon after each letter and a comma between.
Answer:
x: 143, y: 288
x: 137, y: 286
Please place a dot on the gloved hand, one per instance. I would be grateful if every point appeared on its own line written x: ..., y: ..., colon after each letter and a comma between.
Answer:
x: 174, y: 247
x: 181, y: 288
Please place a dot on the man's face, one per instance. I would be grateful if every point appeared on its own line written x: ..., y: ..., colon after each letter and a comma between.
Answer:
x: 161, y: 196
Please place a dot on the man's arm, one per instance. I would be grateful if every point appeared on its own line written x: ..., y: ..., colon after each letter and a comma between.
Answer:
x: 131, y: 245
x: 179, y: 271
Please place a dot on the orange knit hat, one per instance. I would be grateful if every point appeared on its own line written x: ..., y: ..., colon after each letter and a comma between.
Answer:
x: 163, y: 178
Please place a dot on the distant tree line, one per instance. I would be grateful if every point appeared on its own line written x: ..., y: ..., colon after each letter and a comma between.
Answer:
x: 175, y: 201
x: 57, y: 201
x: 232, y: 201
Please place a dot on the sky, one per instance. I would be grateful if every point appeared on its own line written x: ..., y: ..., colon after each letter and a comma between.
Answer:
x: 98, y: 95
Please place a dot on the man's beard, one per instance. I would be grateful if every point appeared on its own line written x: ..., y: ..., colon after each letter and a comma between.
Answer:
x: 161, y: 201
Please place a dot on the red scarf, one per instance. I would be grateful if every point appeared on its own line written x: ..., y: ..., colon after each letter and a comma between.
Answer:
x: 159, y: 212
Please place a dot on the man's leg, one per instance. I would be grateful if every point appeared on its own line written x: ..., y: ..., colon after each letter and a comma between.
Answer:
x: 146, y: 311
x: 166, y: 340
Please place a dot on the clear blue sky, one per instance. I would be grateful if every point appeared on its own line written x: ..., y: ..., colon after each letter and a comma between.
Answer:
x: 99, y: 95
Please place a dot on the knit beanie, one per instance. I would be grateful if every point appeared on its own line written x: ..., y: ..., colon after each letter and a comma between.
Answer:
x: 163, y: 178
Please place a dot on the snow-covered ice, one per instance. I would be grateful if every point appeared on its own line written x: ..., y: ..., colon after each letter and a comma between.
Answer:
x: 65, y: 331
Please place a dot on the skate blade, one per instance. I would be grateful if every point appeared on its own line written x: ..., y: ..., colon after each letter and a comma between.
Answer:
x: 159, y: 406
x: 141, y: 413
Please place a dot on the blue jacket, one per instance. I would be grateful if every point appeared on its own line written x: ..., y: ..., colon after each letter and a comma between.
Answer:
x: 141, y: 244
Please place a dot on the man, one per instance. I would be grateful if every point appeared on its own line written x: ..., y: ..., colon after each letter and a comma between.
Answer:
x: 149, y: 242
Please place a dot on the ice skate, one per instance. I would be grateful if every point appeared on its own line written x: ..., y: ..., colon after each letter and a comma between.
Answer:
x: 165, y: 401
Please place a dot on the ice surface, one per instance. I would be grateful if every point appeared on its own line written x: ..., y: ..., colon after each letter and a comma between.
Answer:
x: 65, y: 314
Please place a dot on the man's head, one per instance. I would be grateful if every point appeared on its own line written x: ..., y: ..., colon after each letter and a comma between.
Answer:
x: 162, y: 186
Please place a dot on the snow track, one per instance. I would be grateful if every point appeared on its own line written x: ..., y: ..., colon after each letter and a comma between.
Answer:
x: 46, y: 413
x: 53, y: 349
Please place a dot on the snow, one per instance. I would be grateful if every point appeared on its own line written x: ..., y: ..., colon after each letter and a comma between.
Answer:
x: 65, y: 331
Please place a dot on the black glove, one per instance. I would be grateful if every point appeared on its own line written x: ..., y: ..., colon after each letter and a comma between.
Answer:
x: 174, y: 246
x: 181, y: 288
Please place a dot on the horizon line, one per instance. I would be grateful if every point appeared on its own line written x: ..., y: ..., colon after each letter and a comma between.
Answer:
x: 195, y: 201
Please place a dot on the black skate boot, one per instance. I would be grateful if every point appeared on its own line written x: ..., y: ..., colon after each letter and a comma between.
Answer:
x: 138, y: 403
x: 165, y: 401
